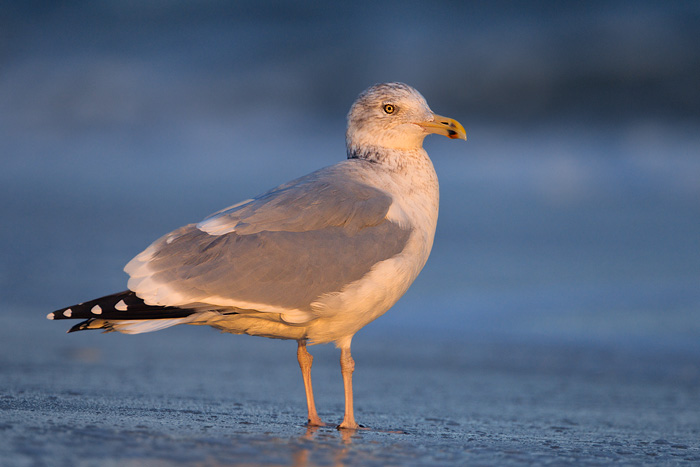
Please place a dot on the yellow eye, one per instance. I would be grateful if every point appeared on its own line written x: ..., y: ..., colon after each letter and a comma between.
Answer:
x: 389, y: 108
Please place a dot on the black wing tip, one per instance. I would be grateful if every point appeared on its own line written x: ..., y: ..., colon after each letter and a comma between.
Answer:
x: 92, y: 308
x: 58, y: 314
x: 124, y: 305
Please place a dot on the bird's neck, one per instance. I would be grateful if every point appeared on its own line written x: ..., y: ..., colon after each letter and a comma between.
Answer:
x: 367, y: 153
x: 396, y: 159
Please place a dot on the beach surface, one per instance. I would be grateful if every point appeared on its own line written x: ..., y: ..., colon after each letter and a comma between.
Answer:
x: 192, y: 396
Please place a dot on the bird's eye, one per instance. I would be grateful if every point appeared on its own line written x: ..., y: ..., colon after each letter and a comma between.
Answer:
x: 389, y: 108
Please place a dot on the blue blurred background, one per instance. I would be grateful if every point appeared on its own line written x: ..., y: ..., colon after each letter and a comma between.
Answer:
x: 572, y: 214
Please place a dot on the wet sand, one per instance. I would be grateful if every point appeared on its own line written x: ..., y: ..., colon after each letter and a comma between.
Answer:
x: 192, y: 396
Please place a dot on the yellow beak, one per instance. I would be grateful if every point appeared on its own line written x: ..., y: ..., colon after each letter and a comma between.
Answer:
x: 445, y: 126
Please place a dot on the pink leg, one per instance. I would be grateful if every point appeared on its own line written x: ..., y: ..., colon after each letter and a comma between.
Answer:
x: 305, y: 361
x: 347, y: 366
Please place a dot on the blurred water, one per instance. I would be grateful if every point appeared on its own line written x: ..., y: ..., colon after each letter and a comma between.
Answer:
x: 572, y: 213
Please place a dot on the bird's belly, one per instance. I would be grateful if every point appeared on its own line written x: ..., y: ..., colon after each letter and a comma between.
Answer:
x: 255, y: 324
x: 342, y: 314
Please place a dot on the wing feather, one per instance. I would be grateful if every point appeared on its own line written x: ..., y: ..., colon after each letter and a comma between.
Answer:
x: 321, y: 199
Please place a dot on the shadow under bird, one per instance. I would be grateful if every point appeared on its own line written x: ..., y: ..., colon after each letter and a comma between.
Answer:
x: 313, y: 260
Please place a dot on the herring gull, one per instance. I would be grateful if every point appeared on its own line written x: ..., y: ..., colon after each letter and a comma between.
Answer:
x: 313, y: 260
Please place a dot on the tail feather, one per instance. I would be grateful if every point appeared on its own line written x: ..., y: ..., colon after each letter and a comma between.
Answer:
x: 104, y: 312
x: 135, y: 326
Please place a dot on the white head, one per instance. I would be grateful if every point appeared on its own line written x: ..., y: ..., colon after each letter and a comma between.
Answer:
x: 394, y: 116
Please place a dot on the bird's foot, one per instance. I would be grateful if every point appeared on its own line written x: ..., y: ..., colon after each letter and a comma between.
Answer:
x: 315, y: 422
x: 351, y: 426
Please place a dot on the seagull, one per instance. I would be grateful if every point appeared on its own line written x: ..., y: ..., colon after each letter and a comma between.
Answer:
x: 313, y: 260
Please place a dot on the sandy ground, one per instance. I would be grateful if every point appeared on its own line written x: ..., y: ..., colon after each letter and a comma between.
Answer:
x: 192, y: 396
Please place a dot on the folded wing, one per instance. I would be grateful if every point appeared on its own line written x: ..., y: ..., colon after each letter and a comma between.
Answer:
x: 276, y: 253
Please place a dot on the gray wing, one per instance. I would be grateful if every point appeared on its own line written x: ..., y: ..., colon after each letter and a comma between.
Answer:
x: 321, y: 199
x: 276, y: 253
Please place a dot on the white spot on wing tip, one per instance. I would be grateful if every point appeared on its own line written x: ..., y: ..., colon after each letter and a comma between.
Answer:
x: 121, y: 306
x: 68, y: 313
x: 96, y: 310
x: 50, y: 316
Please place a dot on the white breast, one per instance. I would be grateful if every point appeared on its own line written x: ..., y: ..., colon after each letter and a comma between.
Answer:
x: 415, y: 206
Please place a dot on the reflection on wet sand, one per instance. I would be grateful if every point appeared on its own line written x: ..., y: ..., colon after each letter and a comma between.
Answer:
x: 332, y: 446
x: 323, y: 442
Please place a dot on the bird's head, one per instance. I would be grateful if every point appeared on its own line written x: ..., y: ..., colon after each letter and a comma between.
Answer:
x: 395, y: 116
